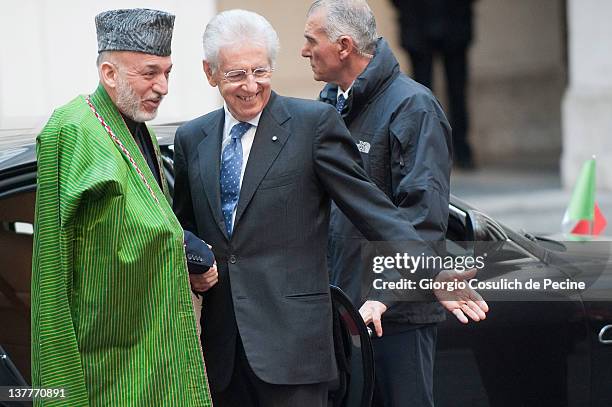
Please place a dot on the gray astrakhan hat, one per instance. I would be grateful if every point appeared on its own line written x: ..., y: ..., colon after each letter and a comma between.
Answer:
x: 141, y: 30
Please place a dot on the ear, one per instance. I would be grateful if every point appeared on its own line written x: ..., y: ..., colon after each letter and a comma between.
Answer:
x: 209, y: 73
x: 108, y: 74
x: 346, y: 46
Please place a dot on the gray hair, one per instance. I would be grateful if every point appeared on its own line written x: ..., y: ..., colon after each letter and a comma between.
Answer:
x: 349, y: 17
x: 235, y: 27
x: 103, y: 56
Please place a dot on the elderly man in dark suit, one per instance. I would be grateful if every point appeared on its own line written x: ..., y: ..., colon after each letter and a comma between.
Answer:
x: 255, y: 180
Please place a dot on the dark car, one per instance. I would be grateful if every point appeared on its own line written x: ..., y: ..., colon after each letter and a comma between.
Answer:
x: 536, y: 348
x: 541, y: 350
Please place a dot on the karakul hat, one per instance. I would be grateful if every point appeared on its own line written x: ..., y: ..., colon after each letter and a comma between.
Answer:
x: 141, y: 30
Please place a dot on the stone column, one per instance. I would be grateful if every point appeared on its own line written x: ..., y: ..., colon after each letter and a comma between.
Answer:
x: 587, y: 105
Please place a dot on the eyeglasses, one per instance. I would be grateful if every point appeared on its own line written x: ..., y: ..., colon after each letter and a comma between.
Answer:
x: 240, y: 75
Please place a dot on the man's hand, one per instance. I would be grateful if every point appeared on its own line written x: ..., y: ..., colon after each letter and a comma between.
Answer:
x: 203, y: 282
x: 461, y: 302
x: 371, y: 312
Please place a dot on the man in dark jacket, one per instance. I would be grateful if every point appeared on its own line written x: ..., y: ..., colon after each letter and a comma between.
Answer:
x: 405, y: 143
x: 442, y: 27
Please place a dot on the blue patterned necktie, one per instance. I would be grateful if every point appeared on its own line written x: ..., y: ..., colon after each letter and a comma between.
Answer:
x: 231, y: 167
x: 340, y: 103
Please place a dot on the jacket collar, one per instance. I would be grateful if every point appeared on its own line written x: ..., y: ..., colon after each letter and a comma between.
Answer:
x: 108, y: 110
x: 375, y: 78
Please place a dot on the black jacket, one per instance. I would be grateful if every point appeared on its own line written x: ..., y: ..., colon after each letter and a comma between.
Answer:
x: 405, y: 144
x: 427, y: 25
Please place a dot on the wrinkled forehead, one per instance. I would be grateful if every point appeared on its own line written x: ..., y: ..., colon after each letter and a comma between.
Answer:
x: 243, y: 57
x: 315, y: 22
x: 139, y: 60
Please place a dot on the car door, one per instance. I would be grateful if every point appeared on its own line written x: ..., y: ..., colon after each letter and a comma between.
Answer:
x: 530, y: 351
x: 17, y: 197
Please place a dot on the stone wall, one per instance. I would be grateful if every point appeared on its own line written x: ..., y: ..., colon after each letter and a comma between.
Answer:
x: 518, y: 72
x: 48, y: 56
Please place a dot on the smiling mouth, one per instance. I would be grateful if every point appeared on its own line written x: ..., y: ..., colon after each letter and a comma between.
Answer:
x: 248, y: 98
x: 153, y: 103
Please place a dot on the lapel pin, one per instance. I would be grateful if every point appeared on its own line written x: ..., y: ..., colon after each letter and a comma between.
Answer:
x: 274, y: 138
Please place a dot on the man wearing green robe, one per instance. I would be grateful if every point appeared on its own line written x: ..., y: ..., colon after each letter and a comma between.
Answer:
x: 112, y: 318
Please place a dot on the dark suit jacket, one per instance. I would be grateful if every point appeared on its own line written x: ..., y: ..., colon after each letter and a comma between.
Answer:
x: 430, y: 25
x: 273, y: 279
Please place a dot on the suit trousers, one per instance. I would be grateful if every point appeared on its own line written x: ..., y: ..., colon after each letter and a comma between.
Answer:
x: 404, y: 368
x: 247, y: 390
x: 456, y: 74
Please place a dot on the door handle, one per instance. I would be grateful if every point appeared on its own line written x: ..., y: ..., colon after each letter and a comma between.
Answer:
x: 602, y: 333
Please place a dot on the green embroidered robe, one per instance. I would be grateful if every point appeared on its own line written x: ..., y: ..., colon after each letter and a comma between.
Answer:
x: 112, y: 317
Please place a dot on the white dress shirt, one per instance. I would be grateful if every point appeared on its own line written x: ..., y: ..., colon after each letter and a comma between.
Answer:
x: 344, y: 93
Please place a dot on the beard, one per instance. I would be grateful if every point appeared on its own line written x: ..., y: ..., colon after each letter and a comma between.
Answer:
x: 128, y: 102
